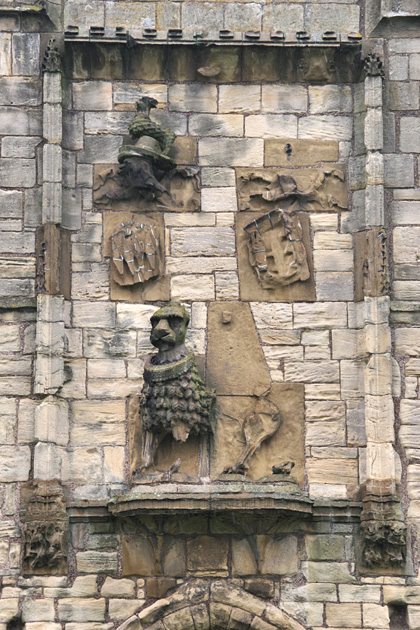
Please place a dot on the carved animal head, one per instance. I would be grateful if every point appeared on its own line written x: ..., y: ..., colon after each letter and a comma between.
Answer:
x: 169, y: 327
x: 145, y: 104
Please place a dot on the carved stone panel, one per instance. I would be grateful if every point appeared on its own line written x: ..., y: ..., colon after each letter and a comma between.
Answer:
x: 276, y: 250
x: 284, y: 257
x: 371, y: 263
x: 53, y: 260
x: 235, y: 360
x: 45, y: 523
x: 135, y: 244
x: 181, y: 191
x: 317, y: 189
x: 285, y: 443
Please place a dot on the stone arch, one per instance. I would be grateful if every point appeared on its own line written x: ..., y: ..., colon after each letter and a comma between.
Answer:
x: 210, y: 605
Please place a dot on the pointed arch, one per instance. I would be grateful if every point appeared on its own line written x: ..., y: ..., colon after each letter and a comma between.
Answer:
x: 211, y: 605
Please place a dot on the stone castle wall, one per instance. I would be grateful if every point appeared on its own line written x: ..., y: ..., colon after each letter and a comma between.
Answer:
x: 338, y: 351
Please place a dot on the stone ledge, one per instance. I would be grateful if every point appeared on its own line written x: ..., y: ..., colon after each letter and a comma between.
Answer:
x: 230, y: 496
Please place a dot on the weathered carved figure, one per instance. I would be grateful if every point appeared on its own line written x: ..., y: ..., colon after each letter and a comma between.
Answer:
x: 257, y: 428
x: 147, y: 175
x: 44, y: 546
x: 145, y: 162
x: 317, y: 65
x: 174, y: 399
x: 276, y: 250
x: 45, y: 525
x: 385, y: 543
x: 135, y: 253
x: 311, y: 189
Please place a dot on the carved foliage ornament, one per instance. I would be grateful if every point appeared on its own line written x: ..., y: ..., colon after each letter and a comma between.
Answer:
x: 385, y: 543
x: 135, y: 253
x: 276, y: 250
x: 52, y: 59
x: 44, y: 516
x: 45, y: 546
x: 373, y: 66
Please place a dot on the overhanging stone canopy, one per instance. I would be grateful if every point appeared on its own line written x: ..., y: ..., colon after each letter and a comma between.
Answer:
x: 207, y: 604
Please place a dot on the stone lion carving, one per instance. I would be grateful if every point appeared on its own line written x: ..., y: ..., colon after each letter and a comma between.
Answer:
x: 174, y: 399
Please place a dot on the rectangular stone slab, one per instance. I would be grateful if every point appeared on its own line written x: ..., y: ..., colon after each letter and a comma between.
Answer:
x: 235, y: 360
x: 249, y: 287
x: 300, y: 152
x: 287, y: 444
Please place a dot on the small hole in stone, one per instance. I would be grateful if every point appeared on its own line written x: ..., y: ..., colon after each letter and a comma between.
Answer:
x: 15, y: 624
x: 398, y: 619
x: 288, y: 149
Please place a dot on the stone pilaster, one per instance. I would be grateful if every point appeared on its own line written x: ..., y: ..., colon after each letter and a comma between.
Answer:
x: 383, y: 528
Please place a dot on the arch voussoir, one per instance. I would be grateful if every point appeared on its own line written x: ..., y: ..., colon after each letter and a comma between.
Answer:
x: 216, y: 605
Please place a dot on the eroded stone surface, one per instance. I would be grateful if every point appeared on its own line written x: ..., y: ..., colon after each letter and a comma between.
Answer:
x: 235, y: 361
x: 285, y: 445
x: 250, y: 287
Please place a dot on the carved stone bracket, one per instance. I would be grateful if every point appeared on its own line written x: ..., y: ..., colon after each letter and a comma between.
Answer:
x: 44, y: 516
x: 384, y: 535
